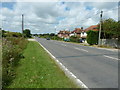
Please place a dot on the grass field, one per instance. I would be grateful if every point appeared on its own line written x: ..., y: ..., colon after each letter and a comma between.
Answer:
x: 38, y: 70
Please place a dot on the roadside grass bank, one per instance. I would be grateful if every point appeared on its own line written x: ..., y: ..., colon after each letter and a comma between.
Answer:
x: 12, y: 52
x: 38, y: 70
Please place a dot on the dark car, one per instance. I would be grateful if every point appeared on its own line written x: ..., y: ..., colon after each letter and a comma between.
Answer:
x: 47, y: 38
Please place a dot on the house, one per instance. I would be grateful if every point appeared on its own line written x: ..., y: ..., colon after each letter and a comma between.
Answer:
x: 93, y: 27
x: 64, y: 34
x: 76, y: 32
x: 84, y: 32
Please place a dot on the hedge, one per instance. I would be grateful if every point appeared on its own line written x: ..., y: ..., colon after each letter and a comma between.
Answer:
x: 92, y: 37
x: 12, y: 49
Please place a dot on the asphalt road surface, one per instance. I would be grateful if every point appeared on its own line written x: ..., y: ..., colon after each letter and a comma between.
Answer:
x: 96, y: 68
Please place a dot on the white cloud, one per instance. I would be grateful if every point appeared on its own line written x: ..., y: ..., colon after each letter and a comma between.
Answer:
x: 41, y: 17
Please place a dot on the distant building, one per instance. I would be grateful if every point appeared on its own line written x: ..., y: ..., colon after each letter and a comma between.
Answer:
x: 64, y: 34
x: 76, y: 32
x: 84, y: 32
x: 93, y: 27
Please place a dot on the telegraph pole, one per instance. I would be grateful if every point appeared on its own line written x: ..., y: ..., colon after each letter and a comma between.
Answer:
x: 22, y: 23
x: 55, y: 32
x: 99, y: 41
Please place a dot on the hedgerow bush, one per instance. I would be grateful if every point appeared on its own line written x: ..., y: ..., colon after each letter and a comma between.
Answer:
x: 12, y: 49
x: 10, y: 34
x: 92, y: 37
x: 74, y: 39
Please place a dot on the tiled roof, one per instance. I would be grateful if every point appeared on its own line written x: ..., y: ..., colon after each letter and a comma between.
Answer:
x: 77, y: 30
x: 93, y: 27
x: 64, y: 32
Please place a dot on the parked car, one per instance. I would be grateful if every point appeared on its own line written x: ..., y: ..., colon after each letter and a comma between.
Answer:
x: 66, y: 39
x: 47, y: 38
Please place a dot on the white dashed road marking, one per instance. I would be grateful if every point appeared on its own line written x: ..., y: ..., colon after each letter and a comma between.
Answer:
x: 111, y: 57
x: 63, y: 44
x: 81, y: 49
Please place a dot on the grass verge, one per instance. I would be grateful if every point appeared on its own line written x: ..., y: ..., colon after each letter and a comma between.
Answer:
x: 38, y: 70
x: 102, y: 46
x: 0, y: 59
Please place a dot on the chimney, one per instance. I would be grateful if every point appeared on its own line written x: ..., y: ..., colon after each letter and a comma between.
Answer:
x: 81, y: 28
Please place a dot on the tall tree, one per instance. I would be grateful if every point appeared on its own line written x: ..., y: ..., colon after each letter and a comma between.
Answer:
x: 109, y: 28
x: 27, y: 33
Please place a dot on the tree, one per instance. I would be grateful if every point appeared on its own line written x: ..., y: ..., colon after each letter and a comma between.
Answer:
x: 109, y: 29
x: 52, y: 34
x: 92, y: 37
x: 27, y: 33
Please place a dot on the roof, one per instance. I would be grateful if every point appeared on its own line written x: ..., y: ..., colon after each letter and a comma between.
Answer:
x: 93, y: 27
x: 77, y: 30
x: 64, y: 32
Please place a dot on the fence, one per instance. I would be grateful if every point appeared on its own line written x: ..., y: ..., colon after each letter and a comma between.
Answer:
x: 110, y: 42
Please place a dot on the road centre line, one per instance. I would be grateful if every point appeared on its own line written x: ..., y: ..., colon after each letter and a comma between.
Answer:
x: 111, y: 57
x: 114, y: 50
x: 84, y: 50
x: 80, y: 49
x: 63, y: 44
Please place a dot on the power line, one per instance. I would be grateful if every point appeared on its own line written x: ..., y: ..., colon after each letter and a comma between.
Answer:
x: 98, y: 12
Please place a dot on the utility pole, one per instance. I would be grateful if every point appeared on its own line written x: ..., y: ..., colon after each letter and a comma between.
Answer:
x: 22, y: 23
x: 55, y: 32
x: 99, y: 40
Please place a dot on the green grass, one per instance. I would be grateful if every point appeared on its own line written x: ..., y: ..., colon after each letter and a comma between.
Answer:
x: 38, y: 70
x: 0, y: 62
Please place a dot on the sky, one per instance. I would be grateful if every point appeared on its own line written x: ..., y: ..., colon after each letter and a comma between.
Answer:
x: 51, y: 17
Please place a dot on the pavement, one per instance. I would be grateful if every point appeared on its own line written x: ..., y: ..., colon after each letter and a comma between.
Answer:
x: 95, y: 67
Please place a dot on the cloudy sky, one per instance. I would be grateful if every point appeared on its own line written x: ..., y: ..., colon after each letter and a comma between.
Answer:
x: 44, y: 17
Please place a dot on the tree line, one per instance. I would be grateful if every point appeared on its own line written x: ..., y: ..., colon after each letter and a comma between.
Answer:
x: 26, y: 33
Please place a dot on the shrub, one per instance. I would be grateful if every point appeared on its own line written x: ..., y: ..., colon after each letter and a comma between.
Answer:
x: 74, y: 39
x: 92, y: 37
x: 27, y: 33
x: 56, y: 38
x: 11, y: 34
x: 12, y: 49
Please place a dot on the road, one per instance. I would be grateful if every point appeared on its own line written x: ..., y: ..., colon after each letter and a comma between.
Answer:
x: 96, y: 68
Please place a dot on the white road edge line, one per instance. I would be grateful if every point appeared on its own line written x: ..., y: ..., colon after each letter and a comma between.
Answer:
x: 69, y: 74
x: 111, y: 57
x: 80, y: 49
